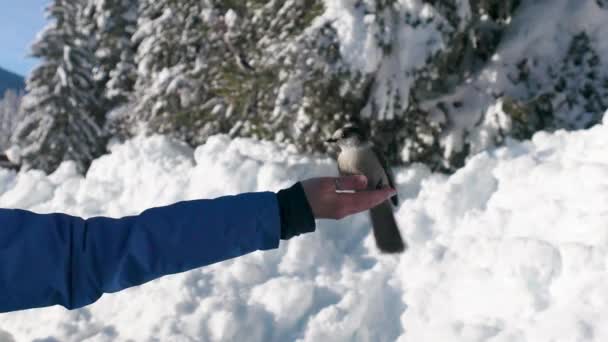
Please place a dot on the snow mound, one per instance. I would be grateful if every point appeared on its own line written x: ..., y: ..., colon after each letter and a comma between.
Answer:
x: 500, y: 251
x: 511, y: 244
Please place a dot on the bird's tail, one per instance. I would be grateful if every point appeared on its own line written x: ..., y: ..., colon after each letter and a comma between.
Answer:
x: 386, y: 232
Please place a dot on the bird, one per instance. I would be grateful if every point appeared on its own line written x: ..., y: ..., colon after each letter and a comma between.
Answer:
x: 359, y: 156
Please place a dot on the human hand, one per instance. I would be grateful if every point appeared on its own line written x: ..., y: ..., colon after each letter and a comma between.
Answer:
x: 327, y: 203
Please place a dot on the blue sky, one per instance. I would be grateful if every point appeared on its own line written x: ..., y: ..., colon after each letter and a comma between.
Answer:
x: 20, y: 21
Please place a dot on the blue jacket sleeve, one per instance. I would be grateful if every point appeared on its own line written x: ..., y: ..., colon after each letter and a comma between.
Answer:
x: 49, y: 259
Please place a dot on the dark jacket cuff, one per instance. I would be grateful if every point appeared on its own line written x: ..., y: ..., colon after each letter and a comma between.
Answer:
x: 296, y: 214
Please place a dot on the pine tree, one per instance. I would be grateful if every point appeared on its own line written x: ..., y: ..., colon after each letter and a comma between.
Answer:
x: 292, y: 71
x: 63, y: 117
x: 10, y: 116
x: 204, y: 66
x: 177, y: 53
x: 112, y: 23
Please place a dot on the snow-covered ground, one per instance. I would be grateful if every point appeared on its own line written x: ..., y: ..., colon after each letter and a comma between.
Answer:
x: 513, y: 247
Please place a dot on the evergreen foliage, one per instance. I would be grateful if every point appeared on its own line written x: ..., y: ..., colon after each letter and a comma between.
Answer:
x: 293, y: 71
x: 63, y: 117
x: 10, y: 116
x: 112, y: 23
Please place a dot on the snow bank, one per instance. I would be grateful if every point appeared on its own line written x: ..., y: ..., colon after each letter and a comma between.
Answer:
x: 513, y: 247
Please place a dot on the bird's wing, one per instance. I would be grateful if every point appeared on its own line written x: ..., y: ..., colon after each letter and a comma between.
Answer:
x: 389, y: 174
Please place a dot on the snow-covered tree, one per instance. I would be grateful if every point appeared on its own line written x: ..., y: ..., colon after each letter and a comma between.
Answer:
x: 112, y: 23
x: 178, y: 53
x: 431, y: 80
x: 281, y: 70
x: 10, y: 116
x: 204, y: 66
x: 63, y: 117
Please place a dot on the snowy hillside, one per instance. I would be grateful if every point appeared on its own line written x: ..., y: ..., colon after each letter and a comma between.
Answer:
x: 512, y: 247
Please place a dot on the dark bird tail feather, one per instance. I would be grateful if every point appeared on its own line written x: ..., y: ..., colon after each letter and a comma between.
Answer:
x: 386, y: 232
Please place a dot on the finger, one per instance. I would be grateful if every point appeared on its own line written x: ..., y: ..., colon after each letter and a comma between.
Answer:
x: 364, y: 200
x: 354, y: 182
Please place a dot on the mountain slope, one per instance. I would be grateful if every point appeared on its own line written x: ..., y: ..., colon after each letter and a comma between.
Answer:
x: 9, y: 80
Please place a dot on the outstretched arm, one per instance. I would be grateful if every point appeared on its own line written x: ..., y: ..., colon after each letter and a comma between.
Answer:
x: 60, y: 259
x: 50, y: 259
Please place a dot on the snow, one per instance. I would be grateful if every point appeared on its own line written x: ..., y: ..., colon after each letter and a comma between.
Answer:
x: 231, y: 18
x: 539, y: 36
x: 494, y: 121
x: 512, y: 247
x: 412, y: 45
x: 544, y: 43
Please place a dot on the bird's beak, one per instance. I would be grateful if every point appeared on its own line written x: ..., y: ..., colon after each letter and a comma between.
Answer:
x: 331, y: 140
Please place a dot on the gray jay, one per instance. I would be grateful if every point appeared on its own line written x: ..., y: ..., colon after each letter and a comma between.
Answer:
x: 358, y: 156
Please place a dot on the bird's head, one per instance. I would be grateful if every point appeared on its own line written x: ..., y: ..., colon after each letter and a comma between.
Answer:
x: 349, y: 136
